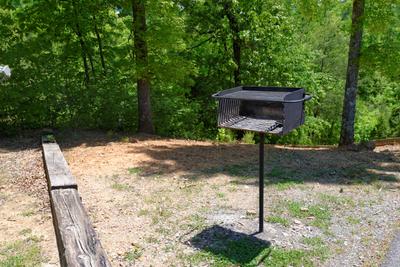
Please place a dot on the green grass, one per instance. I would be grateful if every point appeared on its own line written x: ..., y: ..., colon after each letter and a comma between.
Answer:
x: 120, y: 187
x: 195, y: 222
x: 277, y: 172
x: 25, y: 231
x: 319, y: 214
x: 338, y: 201
x: 285, y: 185
x: 276, y: 219
x: 50, y: 138
x: 134, y: 170
x: 27, y: 213
x: 319, y: 249
x: 247, y: 253
x: 220, y: 194
x: 160, y: 215
x: 352, y: 220
x: 248, y: 138
x: 283, y: 179
x: 289, y: 257
x: 133, y: 254
x: 124, y: 139
x: 143, y: 212
x: 21, y: 253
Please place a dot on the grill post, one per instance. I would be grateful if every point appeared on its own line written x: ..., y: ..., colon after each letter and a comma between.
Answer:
x: 261, y: 184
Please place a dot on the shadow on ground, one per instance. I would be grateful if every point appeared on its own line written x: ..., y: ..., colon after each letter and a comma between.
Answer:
x: 201, y: 160
x: 282, y: 165
x: 230, y: 246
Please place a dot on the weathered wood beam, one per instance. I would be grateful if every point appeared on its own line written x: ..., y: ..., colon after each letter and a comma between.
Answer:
x: 77, y: 242
x: 56, y: 167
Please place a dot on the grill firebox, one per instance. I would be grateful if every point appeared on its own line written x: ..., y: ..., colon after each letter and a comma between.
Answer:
x: 272, y: 110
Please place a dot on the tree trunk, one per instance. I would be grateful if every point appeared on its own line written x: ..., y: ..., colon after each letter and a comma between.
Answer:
x: 236, y: 46
x: 78, y: 33
x: 82, y: 44
x: 143, y: 81
x: 349, y: 102
x: 100, y: 44
x: 235, y: 30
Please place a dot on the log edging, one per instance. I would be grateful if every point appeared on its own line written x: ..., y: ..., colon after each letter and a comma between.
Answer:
x: 77, y: 241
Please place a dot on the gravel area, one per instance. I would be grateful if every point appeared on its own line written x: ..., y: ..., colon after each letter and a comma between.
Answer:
x: 153, y: 196
x: 161, y: 202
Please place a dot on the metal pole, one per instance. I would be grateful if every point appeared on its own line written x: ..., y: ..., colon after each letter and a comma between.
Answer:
x: 261, y: 184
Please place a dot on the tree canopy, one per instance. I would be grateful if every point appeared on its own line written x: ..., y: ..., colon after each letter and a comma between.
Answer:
x: 75, y: 63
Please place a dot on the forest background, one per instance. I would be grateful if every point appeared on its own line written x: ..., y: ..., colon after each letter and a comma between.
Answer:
x: 74, y: 64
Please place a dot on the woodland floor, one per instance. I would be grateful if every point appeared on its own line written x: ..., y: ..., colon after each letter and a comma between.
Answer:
x: 168, y: 202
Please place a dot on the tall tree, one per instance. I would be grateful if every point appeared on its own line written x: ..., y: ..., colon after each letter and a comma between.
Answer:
x: 236, y: 42
x: 349, y: 102
x: 141, y: 55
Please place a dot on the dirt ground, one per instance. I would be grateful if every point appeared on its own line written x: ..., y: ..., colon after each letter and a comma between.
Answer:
x: 165, y: 202
x: 24, y: 205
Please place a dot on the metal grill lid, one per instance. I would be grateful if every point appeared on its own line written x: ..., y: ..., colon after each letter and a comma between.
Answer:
x: 258, y: 93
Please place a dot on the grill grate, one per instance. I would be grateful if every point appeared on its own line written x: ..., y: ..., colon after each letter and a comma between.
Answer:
x: 257, y: 125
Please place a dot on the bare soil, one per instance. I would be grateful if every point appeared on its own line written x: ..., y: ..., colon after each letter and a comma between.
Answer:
x: 24, y: 204
x: 152, y: 199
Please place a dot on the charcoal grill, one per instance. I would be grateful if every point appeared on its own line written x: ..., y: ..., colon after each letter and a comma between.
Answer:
x: 274, y: 110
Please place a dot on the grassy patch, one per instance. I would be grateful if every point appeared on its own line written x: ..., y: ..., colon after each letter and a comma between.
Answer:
x: 337, y: 201
x: 220, y: 194
x: 242, y: 252
x: 25, y: 231
x: 352, y: 220
x: 318, y: 214
x: 134, y: 170
x: 133, y: 254
x: 248, y: 138
x: 285, y: 185
x: 277, y: 172
x: 151, y: 240
x: 222, y: 247
x: 124, y: 139
x: 21, y: 253
x: 27, y: 213
x: 143, y: 212
x: 277, y: 219
x: 246, y: 253
x: 50, y: 138
x: 160, y: 215
x: 319, y: 249
x: 195, y: 222
x: 289, y: 257
x: 163, y: 231
x: 283, y: 178
x: 233, y: 188
x: 120, y: 187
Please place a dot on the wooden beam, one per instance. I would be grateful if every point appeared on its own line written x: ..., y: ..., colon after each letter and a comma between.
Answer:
x: 77, y: 241
x: 78, y: 244
x: 56, y: 167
